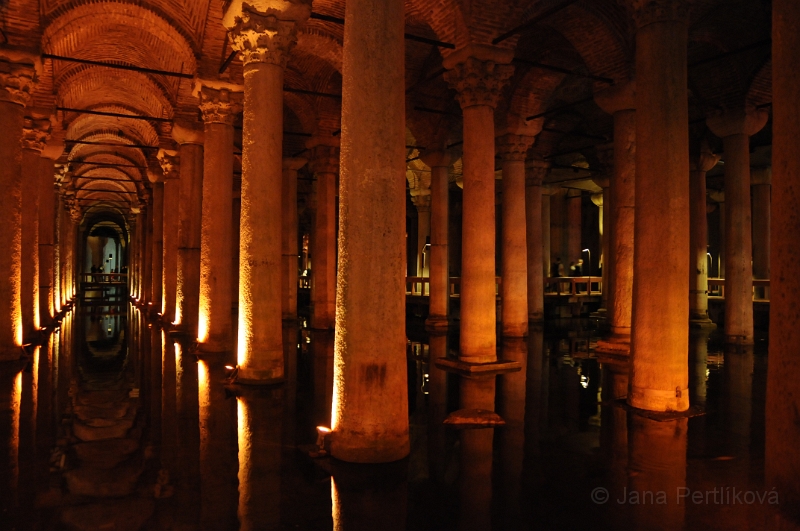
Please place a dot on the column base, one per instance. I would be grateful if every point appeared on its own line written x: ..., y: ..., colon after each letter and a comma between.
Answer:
x: 437, y: 323
x: 474, y: 419
x: 701, y: 323
x: 614, y: 350
x: 255, y: 377
x: 358, y: 448
x: 659, y: 416
x: 477, y: 370
x: 537, y: 318
x: 659, y: 400
x: 212, y: 347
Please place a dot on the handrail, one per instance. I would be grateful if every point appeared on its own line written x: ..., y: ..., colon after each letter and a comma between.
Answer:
x: 573, y: 285
x: 104, y: 278
x: 716, y: 288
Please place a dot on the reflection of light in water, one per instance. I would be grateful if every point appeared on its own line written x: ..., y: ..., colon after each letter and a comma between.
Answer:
x: 243, y: 431
x: 204, y: 396
x: 337, y: 525
x: 584, y: 381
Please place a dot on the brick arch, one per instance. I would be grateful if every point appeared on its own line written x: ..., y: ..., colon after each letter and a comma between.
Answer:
x: 315, y: 42
x: 134, y: 131
x: 760, y: 91
x: 86, y: 87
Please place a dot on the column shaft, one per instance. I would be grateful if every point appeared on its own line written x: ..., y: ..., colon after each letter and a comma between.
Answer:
x: 323, y: 254
x: 660, y: 339
x: 289, y: 238
x: 534, y: 220
x: 157, y: 248
x: 169, y: 275
x: 11, y: 120
x: 370, y: 405
x: 761, y: 230
x: 187, y: 287
x: 439, y: 275
x: 260, y: 287
x: 546, y: 259
x: 698, y: 272
x: 514, y: 249
x: 47, y: 213
x: 30, y: 242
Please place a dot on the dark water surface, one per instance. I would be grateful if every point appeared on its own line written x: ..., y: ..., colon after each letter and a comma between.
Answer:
x: 112, y: 424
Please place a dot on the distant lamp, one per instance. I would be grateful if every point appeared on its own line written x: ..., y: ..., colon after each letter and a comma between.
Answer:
x: 589, y: 262
x: 323, y: 442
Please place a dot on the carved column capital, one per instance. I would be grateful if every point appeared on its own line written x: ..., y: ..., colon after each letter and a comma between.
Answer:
x: 219, y: 105
x: 170, y: 163
x: 616, y: 98
x: 324, y: 155
x: 478, y: 82
x: 649, y: 11
x: 35, y: 134
x: 265, y: 33
x: 16, y: 82
x: 705, y: 160
x: 514, y: 147
x: 742, y: 121
x: 536, y: 171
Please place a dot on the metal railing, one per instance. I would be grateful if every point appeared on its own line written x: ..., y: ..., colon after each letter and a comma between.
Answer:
x: 104, y: 278
x: 716, y: 288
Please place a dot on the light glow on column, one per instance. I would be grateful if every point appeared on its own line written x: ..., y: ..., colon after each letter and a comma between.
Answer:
x: 202, y: 321
x: 243, y: 431
x: 337, y: 400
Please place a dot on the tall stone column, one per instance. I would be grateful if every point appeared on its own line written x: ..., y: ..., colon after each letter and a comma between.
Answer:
x: 370, y: 404
x: 546, y: 261
x: 16, y: 84
x: 698, y: 259
x: 513, y: 146
x: 47, y: 213
x: 422, y: 203
x: 660, y: 339
x: 289, y: 237
x: 572, y: 228
x: 761, y: 189
x: 219, y: 107
x: 157, y: 243
x: 34, y: 137
x: 324, y: 163
x: 618, y: 267
x: 783, y: 400
x: 603, y: 203
x: 264, y: 41
x: 478, y: 73
x: 190, y: 215
x: 170, y: 164
x: 735, y: 128
x: 536, y: 171
x: 58, y: 248
x: 147, y: 250
x: 439, y: 272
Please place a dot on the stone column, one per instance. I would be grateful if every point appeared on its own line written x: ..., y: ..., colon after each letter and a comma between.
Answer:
x: 761, y: 189
x: 170, y: 164
x: 157, y: 243
x: 289, y: 238
x: 603, y: 203
x: 439, y: 272
x: 324, y: 164
x: 47, y: 225
x: 264, y: 41
x: 618, y: 267
x: 370, y: 404
x: 422, y: 203
x: 478, y: 73
x: 147, y: 250
x: 660, y: 339
x: 190, y: 212
x: 16, y: 84
x: 572, y: 228
x: 783, y: 400
x: 735, y: 128
x: 219, y: 107
x: 513, y: 145
x: 698, y: 259
x: 546, y: 260
x: 536, y: 171
x: 34, y: 137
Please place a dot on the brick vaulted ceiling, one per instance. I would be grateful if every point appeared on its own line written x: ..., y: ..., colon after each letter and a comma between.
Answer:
x: 592, y: 41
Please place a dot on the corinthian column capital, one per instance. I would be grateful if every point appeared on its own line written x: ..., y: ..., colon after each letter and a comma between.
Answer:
x: 265, y: 31
x: 35, y: 134
x: 514, y: 147
x: 536, y: 171
x: 219, y: 102
x: 170, y: 163
x: 478, y: 74
x: 16, y: 81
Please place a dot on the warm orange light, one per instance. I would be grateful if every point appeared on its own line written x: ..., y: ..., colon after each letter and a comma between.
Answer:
x: 337, y: 401
x: 243, y: 429
x: 337, y: 525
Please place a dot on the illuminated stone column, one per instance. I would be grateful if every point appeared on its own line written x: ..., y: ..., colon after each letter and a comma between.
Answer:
x: 289, y: 238
x: 16, y: 84
x: 698, y: 259
x: 370, y: 403
x: 219, y: 107
x: 620, y: 102
x: 147, y: 249
x: 264, y: 41
x: 324, y: 163
x: 603, y: 203
x: 439, y: 272
x: 761, y: 189
x: 735, y: 128
x: 157, y: 242
x: 34, y: 137
x: 783, y: 400
x: 512, y: 145
x: 572, y: 228
x: 170, y: 164
x: 422, y: 202
x: 47, y: 225
x: 478, y: 73
x: 535, y: 172
x: 547, y: 192
x: 660, y: 339
x: 190, y: 215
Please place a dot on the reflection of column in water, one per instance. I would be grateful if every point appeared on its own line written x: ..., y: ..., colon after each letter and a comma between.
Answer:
x: 475, y: 480
x: 27, y: 430
x: 738, y: 397
x: 614, y: 436
x: 322, y: 353
x: 369, y: 497
x: 437, y: 408
x: 260, y: 412
x: 218, y: 463
x: 536, y: 394
x: 158, y: 346
x: 511, y: 406
x: 657, y: 464
x: 10, y: 398
x: 187, y: 482
x: 698, y: 364
x: 45, y: 436
x: 290, y: 344
x: 169, y: 414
